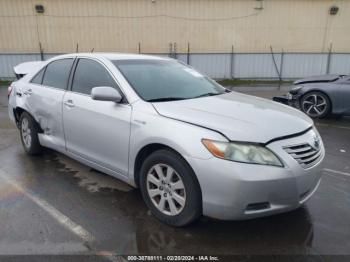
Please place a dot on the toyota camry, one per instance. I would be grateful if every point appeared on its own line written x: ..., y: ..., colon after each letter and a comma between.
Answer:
x: 192, y: 147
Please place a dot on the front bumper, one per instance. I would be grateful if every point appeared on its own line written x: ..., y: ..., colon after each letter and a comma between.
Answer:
x: 11, y: 113
x: 288, y: 99
x: 236, y: 191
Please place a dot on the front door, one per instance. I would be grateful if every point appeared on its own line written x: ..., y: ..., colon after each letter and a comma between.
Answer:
x: 97, y: 131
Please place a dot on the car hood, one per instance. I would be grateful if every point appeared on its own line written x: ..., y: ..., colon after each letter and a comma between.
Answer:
x: 239, y: 117
x: 317, y: 79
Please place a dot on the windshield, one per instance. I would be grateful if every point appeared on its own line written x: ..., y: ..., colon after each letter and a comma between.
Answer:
x: 162, y: 80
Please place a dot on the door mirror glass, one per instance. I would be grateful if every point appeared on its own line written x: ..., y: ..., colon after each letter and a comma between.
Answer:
x: 106, y: 93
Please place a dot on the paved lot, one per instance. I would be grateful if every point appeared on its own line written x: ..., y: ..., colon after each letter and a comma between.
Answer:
x: 54, y: 205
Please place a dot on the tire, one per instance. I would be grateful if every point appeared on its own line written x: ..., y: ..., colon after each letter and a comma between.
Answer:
x: 316, y: 104
x: 170, y: 204
x: 29, y: 130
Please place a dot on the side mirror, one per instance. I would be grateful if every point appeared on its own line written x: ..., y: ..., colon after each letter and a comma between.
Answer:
x: 106, y: 93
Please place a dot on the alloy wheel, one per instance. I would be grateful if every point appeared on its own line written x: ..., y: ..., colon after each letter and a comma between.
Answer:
x: 166, y: 189
x: 314, y: 105
x: 26, y: 133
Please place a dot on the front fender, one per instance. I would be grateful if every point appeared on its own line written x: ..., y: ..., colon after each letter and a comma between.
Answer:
x: 148, y: 127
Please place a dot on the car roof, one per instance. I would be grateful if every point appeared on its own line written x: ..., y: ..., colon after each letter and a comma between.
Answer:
x: 114, y: 56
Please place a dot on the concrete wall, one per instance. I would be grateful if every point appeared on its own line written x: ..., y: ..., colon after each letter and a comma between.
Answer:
x: 208, y: 25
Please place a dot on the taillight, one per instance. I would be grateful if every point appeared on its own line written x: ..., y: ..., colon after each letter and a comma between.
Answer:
x: 9, y: 90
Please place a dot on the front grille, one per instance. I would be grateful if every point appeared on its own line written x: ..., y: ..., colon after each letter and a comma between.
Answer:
x: 306, y: 155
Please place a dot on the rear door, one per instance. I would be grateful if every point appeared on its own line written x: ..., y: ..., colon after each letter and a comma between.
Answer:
x: 97, y: 131
x: 44, y: 97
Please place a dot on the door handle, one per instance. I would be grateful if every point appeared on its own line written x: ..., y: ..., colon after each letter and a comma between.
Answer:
x: 28, y: 92
x: 69, y: 103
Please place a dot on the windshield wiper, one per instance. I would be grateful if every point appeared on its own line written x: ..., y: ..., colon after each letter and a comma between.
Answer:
x: 165, y: 99
x: 208, y: 94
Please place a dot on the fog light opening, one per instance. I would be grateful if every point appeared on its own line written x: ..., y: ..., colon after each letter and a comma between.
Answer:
x: 258, y: 206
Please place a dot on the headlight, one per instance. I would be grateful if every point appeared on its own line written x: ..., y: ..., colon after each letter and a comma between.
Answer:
x: 242, y: 152
x: 295, y: 90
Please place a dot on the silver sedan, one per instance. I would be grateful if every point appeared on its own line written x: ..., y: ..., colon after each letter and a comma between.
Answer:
x: 193, y: 147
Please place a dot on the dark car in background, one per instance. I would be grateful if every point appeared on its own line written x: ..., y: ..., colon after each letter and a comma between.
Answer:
x: 320, y: 96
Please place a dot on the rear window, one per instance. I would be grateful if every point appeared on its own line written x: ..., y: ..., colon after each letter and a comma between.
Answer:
x: 38, y: 79
x: 57, y: 73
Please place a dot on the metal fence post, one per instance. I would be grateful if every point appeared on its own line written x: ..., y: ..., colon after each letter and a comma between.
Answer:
x: 41, y: 52
x: 170, y: 49
x: 329, y: 57
x: 275, y: 64
x: 188, y: 53
x: 175, y: 51
x: 232, y: 68
x: 281, y: 66
x: 77, y: 48
x: 139, y: 47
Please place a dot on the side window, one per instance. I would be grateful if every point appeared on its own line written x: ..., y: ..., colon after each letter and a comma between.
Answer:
x: 89, y: 74
x: 38, y: 79
x: 57, y: 73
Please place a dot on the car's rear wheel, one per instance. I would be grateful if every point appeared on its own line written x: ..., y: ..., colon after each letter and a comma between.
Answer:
x: 170, y: 188
x: 316, y: 104
x: 29, y: 130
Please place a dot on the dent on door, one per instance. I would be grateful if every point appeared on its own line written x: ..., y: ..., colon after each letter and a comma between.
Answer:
x: 45, y: 104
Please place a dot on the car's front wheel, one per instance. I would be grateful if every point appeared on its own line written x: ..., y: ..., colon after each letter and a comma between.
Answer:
x: 29, y: 134
x: 316, y: 105
x: 170, y: 188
